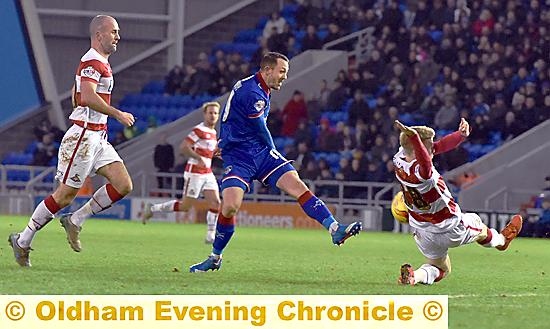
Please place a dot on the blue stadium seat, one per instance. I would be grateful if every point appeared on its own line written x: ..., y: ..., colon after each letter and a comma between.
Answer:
x: 300, y: 34
x: 261, y: 22
x: 322, y: 33
x: 31, y: 147
x: 131, y: 100
x: 289, y: 10
x: 248, y: 36
x: 153, y: 87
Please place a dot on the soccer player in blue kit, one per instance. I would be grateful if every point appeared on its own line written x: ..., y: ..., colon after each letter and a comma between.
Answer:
x: 248, y: 153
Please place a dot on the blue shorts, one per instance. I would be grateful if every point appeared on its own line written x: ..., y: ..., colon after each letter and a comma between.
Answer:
x: 241, y: 168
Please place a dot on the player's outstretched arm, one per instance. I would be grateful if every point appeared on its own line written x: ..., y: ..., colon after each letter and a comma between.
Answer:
x: 451, y: 141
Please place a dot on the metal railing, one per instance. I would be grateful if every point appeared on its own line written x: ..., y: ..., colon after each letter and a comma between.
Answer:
x: 363, y: 43
x: 32, y: 184
x: 364, y: 193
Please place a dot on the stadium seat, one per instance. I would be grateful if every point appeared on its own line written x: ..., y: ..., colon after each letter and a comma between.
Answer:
x: 248, y: 36
x: 261, y: 22
x: 153, y: 87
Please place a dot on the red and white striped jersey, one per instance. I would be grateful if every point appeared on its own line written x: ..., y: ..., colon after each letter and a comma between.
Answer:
x: 94, y: 68
x: 429, y: 201
x: 204, y: 142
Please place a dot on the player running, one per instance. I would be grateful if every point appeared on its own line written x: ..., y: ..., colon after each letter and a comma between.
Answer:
x: 437, y: 221
x: 249, y: 153
x: 84, y: 150
x: 199, y: 147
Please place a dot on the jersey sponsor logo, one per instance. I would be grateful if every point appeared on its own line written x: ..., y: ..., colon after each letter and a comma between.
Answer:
x: 259, y: 105
x: 227, y: 169
x: 90, y: 72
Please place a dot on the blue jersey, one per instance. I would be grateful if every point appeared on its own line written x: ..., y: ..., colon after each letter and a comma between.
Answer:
x: 244, y: 117
x: 247, y: 149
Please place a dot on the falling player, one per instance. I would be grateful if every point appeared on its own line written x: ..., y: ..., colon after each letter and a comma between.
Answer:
x: 199, y: 147
x: 437, y: 221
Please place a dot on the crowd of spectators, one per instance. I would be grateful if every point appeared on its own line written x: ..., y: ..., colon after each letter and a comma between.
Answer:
x: 431, y: 63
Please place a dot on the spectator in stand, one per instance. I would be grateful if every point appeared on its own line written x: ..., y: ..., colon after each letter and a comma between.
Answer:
x: 330, y: 191
x: 275, y: 24
x: 379, y: 147
x: 173, y: 81
x: 358, y: 109
x: 303, y: 133
x: 347, y: 139
x: 480, y: 127
x: 311, y: 39
x: 275, y: 122
x: 512, y: 128
x: 294, y: 111
x: 356, y: 173
x: 462, y: 12
x: 323, y: 95
x: 302, y: 12
x: 310, y: 171
x: 343, y: 170
x: 337, y: 96
x: 163, y: 158
x: 374, y: 172
x: 498, y: 110
x: 485, y: 21
x: 334, y: 33
x: 392, y: 16
x: 219, y: 85
x: 326, y: 138
x: 45, y: 151
x: 45, y: 127
x: 447, y: 116
x: 302, y: 156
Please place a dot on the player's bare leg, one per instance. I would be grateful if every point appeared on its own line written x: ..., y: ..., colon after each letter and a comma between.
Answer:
x: 213, y: 199
x: 315, y: 208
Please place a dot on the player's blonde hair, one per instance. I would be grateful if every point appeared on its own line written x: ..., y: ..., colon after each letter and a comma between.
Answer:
x: 207, y: 104
x: 425, y: 133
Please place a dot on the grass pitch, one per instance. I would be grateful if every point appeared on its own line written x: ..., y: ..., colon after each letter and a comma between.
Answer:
x: 487, y: 289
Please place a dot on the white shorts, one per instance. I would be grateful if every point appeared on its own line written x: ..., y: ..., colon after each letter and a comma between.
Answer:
x: 81, y: 154
x: 195, y: 183
x: 436, y: 245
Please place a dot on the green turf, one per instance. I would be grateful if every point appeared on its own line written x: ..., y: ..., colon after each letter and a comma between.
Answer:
x: 487, y: 289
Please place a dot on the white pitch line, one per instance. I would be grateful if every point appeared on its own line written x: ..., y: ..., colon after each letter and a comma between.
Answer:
x: 504, y: 295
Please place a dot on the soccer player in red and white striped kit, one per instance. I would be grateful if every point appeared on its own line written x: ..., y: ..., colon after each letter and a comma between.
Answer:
x: 199, y: 146
x: 436, y: 219
x: 84, y: 149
